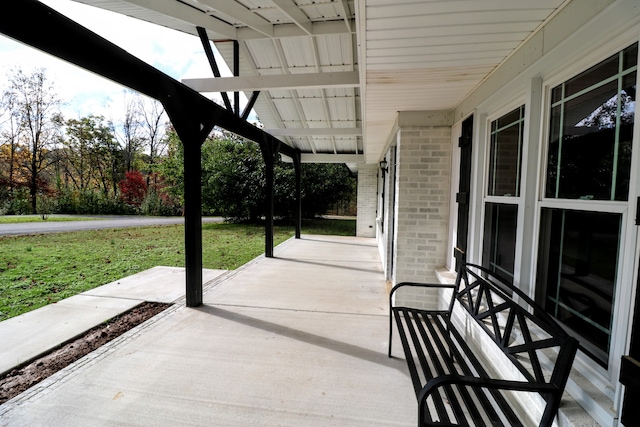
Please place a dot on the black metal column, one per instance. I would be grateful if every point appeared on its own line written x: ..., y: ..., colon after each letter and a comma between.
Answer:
x: 236, y: 73
x: 193, y: 223
x: 298, y: 216
x: 269, y: 160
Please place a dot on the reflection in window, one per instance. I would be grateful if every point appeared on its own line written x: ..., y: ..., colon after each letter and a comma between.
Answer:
x: 592, y: 117
x: 577, y: 273
x: 500, y: 239
x: 506, y: 154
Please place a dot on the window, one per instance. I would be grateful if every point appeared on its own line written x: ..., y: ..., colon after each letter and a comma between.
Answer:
x: 500, y: 239
x: 591, y: 130
x: 579, y: 260
x: 501, y: 209
x: 506, y: 154
x: 589, y: 162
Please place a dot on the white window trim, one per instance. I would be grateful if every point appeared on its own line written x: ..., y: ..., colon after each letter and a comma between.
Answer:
x: 506, y: 200
x: 625, y: 296
x: 603, y: 380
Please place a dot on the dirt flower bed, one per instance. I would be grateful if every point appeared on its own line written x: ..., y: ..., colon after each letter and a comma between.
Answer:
x: 20, y: 379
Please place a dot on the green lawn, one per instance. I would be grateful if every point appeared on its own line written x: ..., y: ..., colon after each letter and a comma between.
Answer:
x: 42, y: 269
x: 12, y: 219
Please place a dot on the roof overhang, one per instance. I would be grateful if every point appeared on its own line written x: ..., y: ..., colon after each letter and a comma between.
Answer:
x: 332, y: 75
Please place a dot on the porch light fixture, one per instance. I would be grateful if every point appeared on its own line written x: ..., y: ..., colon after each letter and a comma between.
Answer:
x: 384, y: 165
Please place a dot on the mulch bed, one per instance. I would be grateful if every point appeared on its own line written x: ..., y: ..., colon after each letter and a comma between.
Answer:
x: 20, y: 379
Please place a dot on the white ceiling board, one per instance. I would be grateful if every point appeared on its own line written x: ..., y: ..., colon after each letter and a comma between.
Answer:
x: 430, y: 55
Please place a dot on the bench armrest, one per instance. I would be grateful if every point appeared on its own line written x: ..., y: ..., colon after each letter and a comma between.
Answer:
x: 419, y: 285
x: 411, y: 284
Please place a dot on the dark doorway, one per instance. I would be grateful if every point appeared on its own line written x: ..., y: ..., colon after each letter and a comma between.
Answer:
x: 464, y: 188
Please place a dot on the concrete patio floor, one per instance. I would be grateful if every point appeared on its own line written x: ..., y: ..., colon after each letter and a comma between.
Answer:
x: 295, y: 340
x: 29, y: 336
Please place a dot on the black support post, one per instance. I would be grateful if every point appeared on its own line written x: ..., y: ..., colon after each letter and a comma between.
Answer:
x: 298, y: 216
x: 269, y: 159
x: 193, y: 223
x: 236, y: 73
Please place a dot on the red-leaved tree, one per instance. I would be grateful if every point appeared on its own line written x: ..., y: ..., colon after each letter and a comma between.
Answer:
x: 133, y: 188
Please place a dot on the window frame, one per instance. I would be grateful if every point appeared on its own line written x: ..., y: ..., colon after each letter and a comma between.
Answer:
x: 548, y: 105
x: 518, y: 102
x: 629, y: 244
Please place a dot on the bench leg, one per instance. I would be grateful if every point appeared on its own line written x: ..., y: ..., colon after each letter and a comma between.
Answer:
x: 390, y: 329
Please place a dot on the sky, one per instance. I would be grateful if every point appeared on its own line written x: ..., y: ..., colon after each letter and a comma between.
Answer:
x: 177, y: 54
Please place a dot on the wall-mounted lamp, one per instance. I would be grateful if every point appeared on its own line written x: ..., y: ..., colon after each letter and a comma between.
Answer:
x: 384, y: 165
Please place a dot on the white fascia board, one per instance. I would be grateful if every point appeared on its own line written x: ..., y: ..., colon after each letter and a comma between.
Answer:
x: 289, y: 81
x: 351, y: 159
x: 331, y: 158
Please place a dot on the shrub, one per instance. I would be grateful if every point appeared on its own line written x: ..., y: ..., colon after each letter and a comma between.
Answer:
x: 133, y: 188
x: 46, y: 206
x: 19, y: 203
x: 90, y: 202
x: 156, y: 205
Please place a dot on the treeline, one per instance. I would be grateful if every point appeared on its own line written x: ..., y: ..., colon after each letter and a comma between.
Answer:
x: 133, y: 164
x: 233, y: 181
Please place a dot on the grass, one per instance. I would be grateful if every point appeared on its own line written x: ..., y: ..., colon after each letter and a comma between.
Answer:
x: 43, y: 269
x: 14, y: 219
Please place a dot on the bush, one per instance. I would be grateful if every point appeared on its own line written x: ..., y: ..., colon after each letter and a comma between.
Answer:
x: 154, y: 204
x: 17, y: 204
x: 46, y: 205
x: 90, y: 203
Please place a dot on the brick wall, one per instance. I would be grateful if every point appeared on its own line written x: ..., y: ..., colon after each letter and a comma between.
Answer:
x: 367, y: 200
x: 422, y: 200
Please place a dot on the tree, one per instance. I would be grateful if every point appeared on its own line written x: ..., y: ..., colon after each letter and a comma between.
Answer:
x: 130, y: 131
x: 324, y: 185
x: 171, y: 168
x: 233, y: 178
x: 90, y: 154
x: 152, y: 128
x: 9, y: 140
x: 37, y: 108
x: 233, y: 181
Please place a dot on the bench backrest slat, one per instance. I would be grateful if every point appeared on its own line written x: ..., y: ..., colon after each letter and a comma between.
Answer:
x: 503, y: 311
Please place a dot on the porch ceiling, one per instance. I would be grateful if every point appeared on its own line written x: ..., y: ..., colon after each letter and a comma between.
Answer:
x: 333, y: 73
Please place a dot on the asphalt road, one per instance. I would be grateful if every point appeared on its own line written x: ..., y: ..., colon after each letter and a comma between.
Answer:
x: 26, y: 228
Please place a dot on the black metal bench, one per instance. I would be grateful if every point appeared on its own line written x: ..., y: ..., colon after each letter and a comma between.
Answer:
x: 447, y: 351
